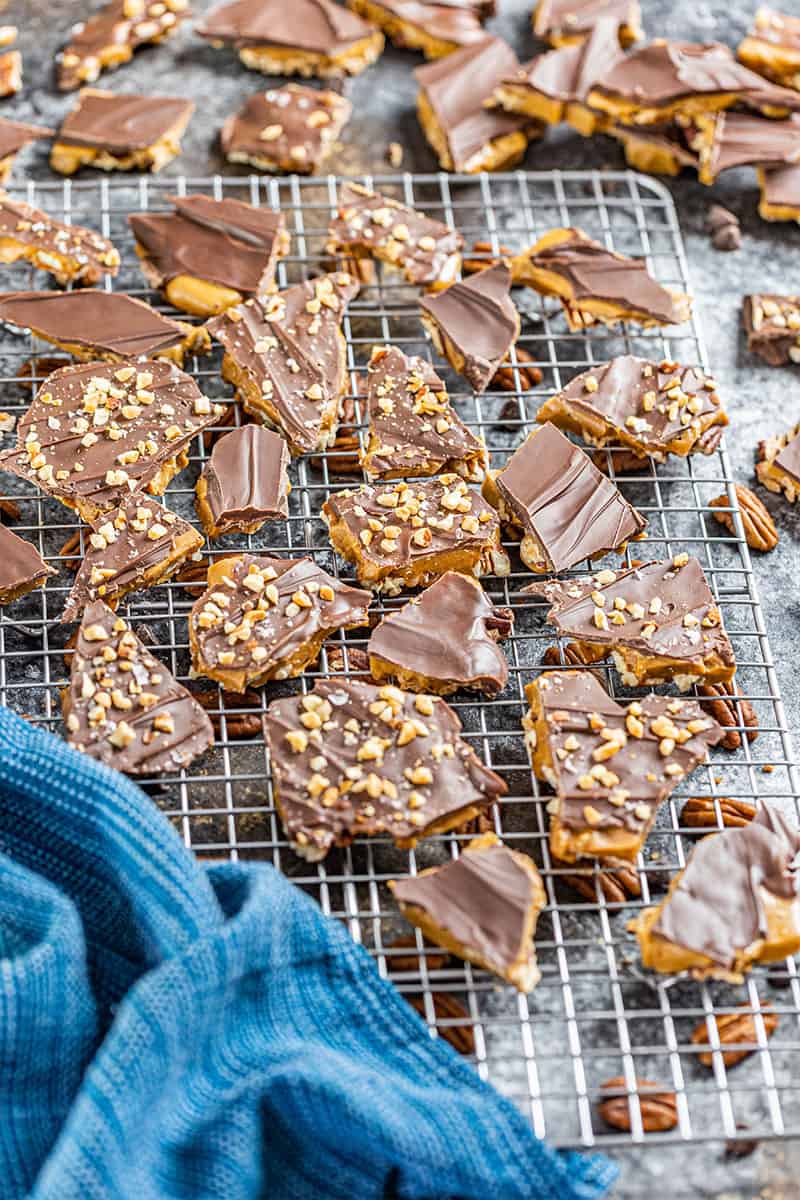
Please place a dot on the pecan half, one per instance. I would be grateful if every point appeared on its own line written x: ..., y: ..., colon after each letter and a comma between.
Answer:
x: 434, y: 959
x: 483, y: 256
x: 700, y: 812
x: 618, y: 880
x: 34, y: 370
x: 659, y: 1109
x: 237, y: 725
x: 717, y: 699
x: 71, y: 551
x: 447, y: 1008
x: 357, y: 663
x: 759, y: 528
x: 476, y: 825
x: 10, y: 508
x: 574, y: 655
x: 530, y: 376
x: 342, y: 456
x: 732, y: 1029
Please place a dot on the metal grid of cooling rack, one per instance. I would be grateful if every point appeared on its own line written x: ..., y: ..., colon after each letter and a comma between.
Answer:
x: 595, y: 1014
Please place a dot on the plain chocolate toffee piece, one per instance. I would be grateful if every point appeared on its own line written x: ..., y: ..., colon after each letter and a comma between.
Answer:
x: 244, y: 482
x: 436, y: 27
x: 14, y: 136
x: 110, y: 37
x: 22, y: 568
x: 562, y: 22
x: 474, y: 323
x: 290, y: 128
x: 122, y: 124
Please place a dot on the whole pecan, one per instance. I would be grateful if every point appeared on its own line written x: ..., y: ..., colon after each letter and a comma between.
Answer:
x: 529, y: 374
x: 447, y: 1008
x: 434, y: 959
x: 357, y: 663
x: 717, y: 699
x: 483, y: 256
x: 237, y: 724
x: 759, y: 528
x: 574, y: 655
x: 618, y: 880
x: 71, y: 551
x: 9, y: 508
x: 35, y: 370
x: 700, y: 812
x: 659, y: 1109
x: 735, y: 1029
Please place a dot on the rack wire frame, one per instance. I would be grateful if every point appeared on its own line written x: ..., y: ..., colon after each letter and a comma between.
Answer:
x: 596, y: 1013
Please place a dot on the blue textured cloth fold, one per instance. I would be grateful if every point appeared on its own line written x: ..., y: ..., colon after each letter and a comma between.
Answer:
x: 169, y: 1031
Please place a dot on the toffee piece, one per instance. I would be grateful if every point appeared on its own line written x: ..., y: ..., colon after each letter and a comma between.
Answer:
x: 444, y: 639
x: 597, y: 285
x: 350, y: 759
x: 10, y: 73
x: 434, y: 28
x: 482, y: 906
x: 772, y: 47
x: 564, y: 508
x: 120, y: 133
x: 405, y: 535
x: 266, y: 618
x: 610, y: 766
x: 112, y: 35
x: 772, y: 325
x: 659, y: 622
x: 413, y: 428
x: 292, y: 128
x: 14, y: 136
x: 22, y: 568
x: 474, y: 323
x: 112, y: 326
x: 131, y: 548
x: 738, y: 139
x: 736, y: 903
x: 564, y: 22
x: 369, y: 225
x: 780, y: 193
x: 244, y: 483
x: 465, y: 135
x: 287, y: 358
x: 123, y: 707
x: 655, y: 149
x: 209, y: 254
x: 94, y: 433
x: 655, y: 409
x: 71, y: 253
x: 305, y: 37
x: 778, y: 464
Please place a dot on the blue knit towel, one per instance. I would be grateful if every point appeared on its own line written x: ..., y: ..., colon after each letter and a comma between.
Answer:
x: 174, y: 1033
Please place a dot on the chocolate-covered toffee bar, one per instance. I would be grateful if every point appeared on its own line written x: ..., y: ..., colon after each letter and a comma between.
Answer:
x: 656, y: 409
x: 405, y: 535
x: 209, y: 254
x: 369, y: 225
x: 292, y: 128
x: 444, y: 639
x: 22, y: 568
x: 304, y: 37
x: 266, y: 618
x: 131, y: 548
x: 737, y: 139
x: 286, y: 357
x: 96, y: 432
x: 110, y: 37
x: 71, y: 253
x: 244, y: 483
x: 655, y: 149
x: 14, y: 135
x: 659, y: 622
x: 474, y: 323
x: 780, y: 193
x: 563, y: 22
x: 123, y: 707
x: 595, y: 284
x: 482, y: 907
x: 413, y: 428
x: 435, y: 29
x: 736, y: 903
x: 120, y: 133
x: 465, y: 135
x: 778, y: 463
x: 353, y: 760
x: 772, y: 47
x: 91, y: 324
x: 772, y: 325
x: 610, y: 766
x: 565, y: 509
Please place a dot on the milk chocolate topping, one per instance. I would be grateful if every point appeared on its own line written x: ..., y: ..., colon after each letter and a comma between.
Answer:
x: 317, y: 26
x: 558, y: 495
x: 119, y: 23
x: 772, y: 325
x: 121, y: 124
x: 569, y: 18
x: 742, y: 139
x: 716, y: 907
x: 246, y: 477
x: 15, y: 134
x: 570, y: 71
x: 458, y: 24
x: 478, y: 316
x: 21, y: 565
x: 292, y: 127
x: 781, y: 186
x: 88, y: 255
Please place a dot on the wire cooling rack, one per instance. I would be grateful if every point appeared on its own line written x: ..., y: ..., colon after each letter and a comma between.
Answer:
x: 595, y: 1014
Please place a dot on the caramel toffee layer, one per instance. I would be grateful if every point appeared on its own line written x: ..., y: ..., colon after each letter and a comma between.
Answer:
x: 291, y: 128
x: 772, y: 47
x: 21, y: 566
x: 317, y: 27
x: 135, y: 545
x: 123, y: 707
x: 780, y: 193
x: 444, y: 639
x: 244, y: 481
x: 772, y: 325
x: 121, y: 124
x: 413, y: 429
x: 97, y: 432
x: 778, y: 463
x: 375, y: 226
x: 112, y: 35
x: 474, y: 323
x: 351, y: 759
x: 266, y: 618
x: 286, y: 356
x: 737, y: 139
x: 435, y: 28
x: 564, y: 21
x: 69, y: 252
x: 14, y: 135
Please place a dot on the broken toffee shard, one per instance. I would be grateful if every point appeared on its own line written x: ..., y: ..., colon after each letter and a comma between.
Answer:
x: 772, y: 325
x: 244, y: 483
x: 111, y: 36
x: 291, y: 128
x: 22, y: 568
x: 610, y: 766
x: 565, y: 22
x: 120, y: 132
x: 71, y: 253
x: 14, y: 136
x: 474, y: 323
x: 434, y: 28
x: 354, y: 760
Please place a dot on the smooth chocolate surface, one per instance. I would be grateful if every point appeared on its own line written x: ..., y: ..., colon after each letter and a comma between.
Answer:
x: 151, y: 724
x: 290, y: 128
x: 128, y: 23
x: 745, y: 139
x: 557, y: 19
x: 22, y: 568
x: 772, y: 325
x: 569, y: 72
x: 316, y: 26
x: 665, y: 71
x: 478, y: 316
x: 88, y: 255
x: 246, y: 477
x: 16, y: 134
x: 121, y: 124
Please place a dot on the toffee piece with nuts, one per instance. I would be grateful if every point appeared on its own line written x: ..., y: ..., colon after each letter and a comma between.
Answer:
x: 482, y: 906
x: 120, y: 132
x: 306, y: 37
x: 563, y: 508
x: 405, y: 535
x: 736, y: 903
x: 655, y: 409
x: 565, y: 22
x: 131, y: 548
x: 287, y: 358
x: 22, y: 568
x: 71, y: 253
x: 413, y: 428
x: 292, y: 128
x: 109, y: 38
x: 772, y: 47
x: 210, y: 254
x: 350, y: 759
x: 596, y: 285
x: 780, y: 193
x: 659, y: 622
x: 266, y: 618
x: 772, y: 325
x: 244, y: 483
x: 444, y: 639
x: 474, y: 323
x: 369, y: 225
x: 434, y: 28
x: 610, y: 766
x: 123, y: 707
x: 14, y: 136
x: 95, y: 433
x: 778, y: 463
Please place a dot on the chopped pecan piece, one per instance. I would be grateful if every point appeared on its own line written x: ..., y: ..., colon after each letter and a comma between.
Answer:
x: 759, y: 528
x: 483, y: 256
x: 720, y: 701
x: 618, y: 880
x: 659, y: 1109
x: 574, y: 655
x: 735, y: 1029
x: 447, y: 1008
x: 700, y: 812
x: 476, y: 826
